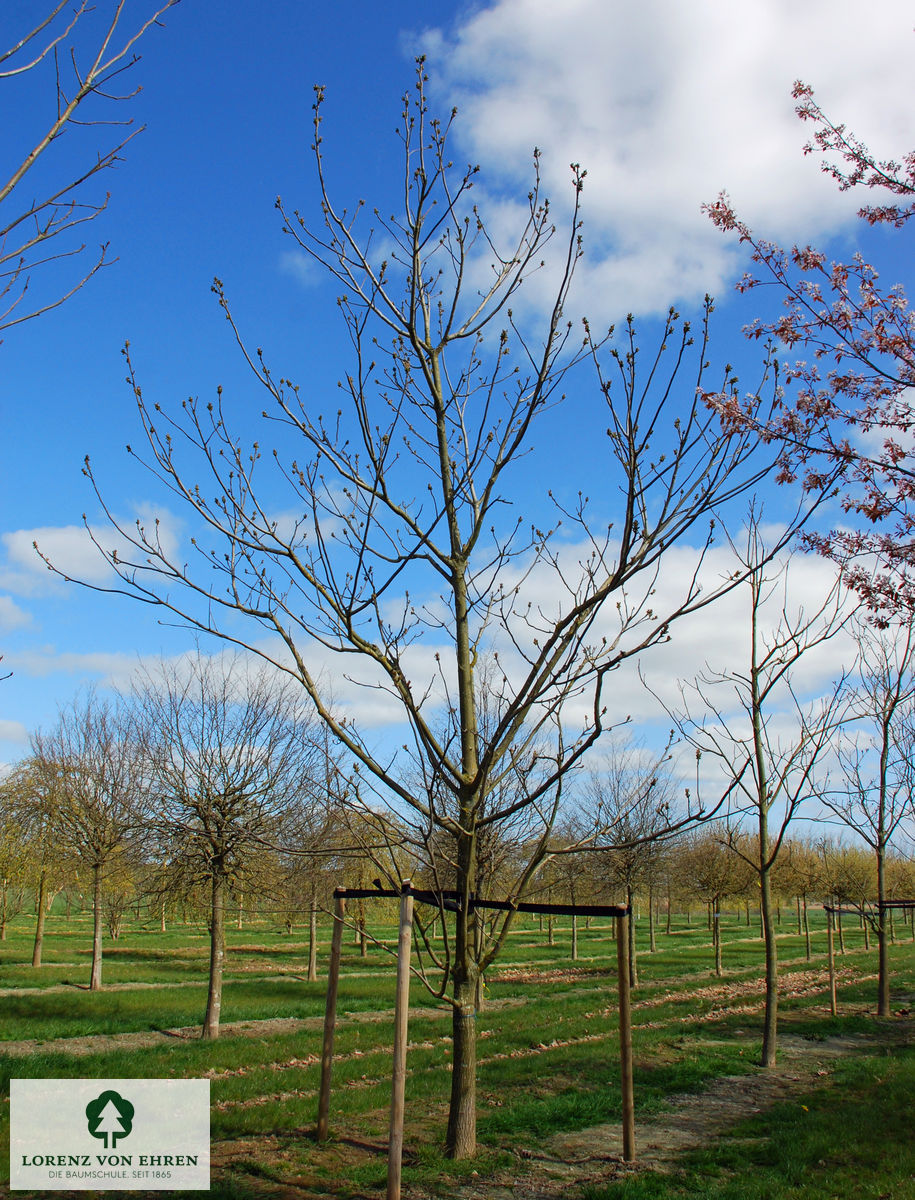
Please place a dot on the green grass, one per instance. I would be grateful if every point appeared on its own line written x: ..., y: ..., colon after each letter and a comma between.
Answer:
x: 548, y: 1054
x: 851, y: 1139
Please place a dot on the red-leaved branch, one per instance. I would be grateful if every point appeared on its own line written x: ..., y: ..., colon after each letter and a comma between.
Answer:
x: 852, y: 405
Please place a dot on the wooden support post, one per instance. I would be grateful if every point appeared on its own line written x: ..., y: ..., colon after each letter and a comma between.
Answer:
x: 399, y: 1073
x: 330, y: 1016
x: 622, y: 966
x: 832, y: 964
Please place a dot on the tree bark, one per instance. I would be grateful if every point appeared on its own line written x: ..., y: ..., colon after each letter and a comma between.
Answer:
x: 461, y: 1139
x: 770, y: 1020
x: 312, y: 944
x: 217, y: 957
x: 652, y: 946
x: 39, y: 923
x: 95, y: 978
x: 630, y: 925
x: 716, y: 937
x: 883, y: 956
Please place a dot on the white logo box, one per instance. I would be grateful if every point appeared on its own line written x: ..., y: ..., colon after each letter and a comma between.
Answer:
x: 109, y: 1134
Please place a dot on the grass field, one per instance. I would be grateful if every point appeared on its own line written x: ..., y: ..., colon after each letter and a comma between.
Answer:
x: 834, y: 1122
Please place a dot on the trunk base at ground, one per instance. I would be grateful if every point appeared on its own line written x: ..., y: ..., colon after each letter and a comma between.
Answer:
x: 217, y: 959
x: 461, y: 1139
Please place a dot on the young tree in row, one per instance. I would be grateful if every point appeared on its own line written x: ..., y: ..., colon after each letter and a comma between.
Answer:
x: 29, y: 809
x: 848, y: 882
x: 852, y: 409
x: 90, y: 764
x: 765, y: 739
x: 712, y: 871
x: 877, y: 753
x: 229, y: 759
x: 82, y: 80
x: 632, y: 796
x: 423, y: 545
x: 15, y: 864
x: 799, y: 873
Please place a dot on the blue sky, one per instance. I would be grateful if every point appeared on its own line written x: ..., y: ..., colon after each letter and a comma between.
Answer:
x: 665, y: 106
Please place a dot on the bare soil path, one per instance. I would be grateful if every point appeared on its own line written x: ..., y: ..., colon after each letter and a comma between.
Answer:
x: 568, y: 1161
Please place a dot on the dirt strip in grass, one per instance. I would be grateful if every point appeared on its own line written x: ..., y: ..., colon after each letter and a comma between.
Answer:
x: 569, y: 1162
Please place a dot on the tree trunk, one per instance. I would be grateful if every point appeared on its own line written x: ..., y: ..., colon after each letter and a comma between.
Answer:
x: 716, y: 938
x: 39, y: 923
x: 461, y: 1138
x: 806, y: 929
x: 217, y: 957
x: 95, y: 978
x: 633, y: 971
x: 770, y: 1020
x: 652, y: 946
x: 312, y: 944
x: 883, y: 969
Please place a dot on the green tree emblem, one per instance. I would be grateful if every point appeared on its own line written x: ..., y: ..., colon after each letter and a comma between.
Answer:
x: 110, y: 1116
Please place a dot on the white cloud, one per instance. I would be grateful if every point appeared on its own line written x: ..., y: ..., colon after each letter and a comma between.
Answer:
x: 72, y: 552
x: 666, y: 104
x: 11, y: 615
x: 13, y: 731
x: 112, y: 668
x: 300, y: 266
x: 67, y: 546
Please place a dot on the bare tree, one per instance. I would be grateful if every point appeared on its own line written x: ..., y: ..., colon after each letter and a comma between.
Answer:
x: 83, y: 82
x: 877, y: 752
x: 229, y: 756
x: 800, y: 874
x: 32, y: 840
x: 712, y: 871
x: 849, y: 881
x: 765, y: 739
x: 90, y: 763
x: 633, y: 805
x: 407, y: 555
x: 16, y: 863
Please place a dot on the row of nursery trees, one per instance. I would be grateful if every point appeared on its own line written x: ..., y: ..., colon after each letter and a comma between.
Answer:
x: 711, y: 868
x: 413, y: 526
x: 210, y: 789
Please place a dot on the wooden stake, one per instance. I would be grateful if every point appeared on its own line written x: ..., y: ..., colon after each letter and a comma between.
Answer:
x: 330, y: 1016
x: 832, y: 964
x: 399, y: 1073
x: 622, y: 966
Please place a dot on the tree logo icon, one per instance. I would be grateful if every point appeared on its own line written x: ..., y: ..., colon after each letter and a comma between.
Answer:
x: 110, y: 1116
